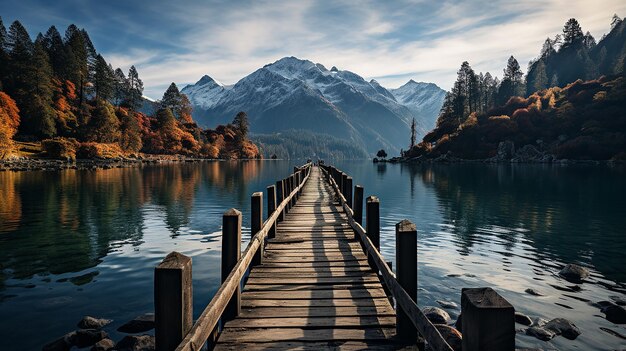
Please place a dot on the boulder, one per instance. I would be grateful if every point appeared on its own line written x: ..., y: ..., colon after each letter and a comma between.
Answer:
x: 139, y: 324
x: 451, y: 336
x: 574, y: 273
x: 89, y: 322
x: 436, y: 315
x: 61, y: 344
x: 88, y: 337
x: 561, y: 326
x: 522, y: 319
x: 540, y: 333
x: 615, y: 314
x: 103, y: 345
x: 505, y: 151
x: 136, y: 343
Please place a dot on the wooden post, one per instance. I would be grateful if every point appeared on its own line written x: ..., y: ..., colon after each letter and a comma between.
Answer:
x: 372, y: 227
x: 347, y: 188
x: 358, y: 204
x: 256, y: 209
x: 292, y: 186
x: 406, y: 274
x: 231, y: 252
x: 342, y: 180
x: 488, y: 321
x: 271, y: 207
x: 286, y: 194
x: 173, y: 301
x: 279, y: 198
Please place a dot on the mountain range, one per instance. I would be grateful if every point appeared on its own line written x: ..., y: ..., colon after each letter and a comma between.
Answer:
x: 295, y: 94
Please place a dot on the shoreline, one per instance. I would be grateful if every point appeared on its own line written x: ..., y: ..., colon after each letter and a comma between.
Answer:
x: 24, y: 164
x: 447, y: 159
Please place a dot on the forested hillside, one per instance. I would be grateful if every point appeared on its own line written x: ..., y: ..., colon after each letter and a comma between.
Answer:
x: 61, y: 91
x: 306, y: 144
x: 570, y: 105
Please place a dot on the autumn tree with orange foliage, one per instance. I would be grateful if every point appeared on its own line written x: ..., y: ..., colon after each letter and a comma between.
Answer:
x: 9, y: 121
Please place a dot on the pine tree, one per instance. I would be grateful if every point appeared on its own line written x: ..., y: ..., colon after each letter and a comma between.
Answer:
x: 4, y: 54
x: 56, y: 50
x: 104, y: 126
x: 548, y: 49
x: 36, y: 103
x: 3, y: 37
x: 413, y: 134
x: 572, y: 33
x: 588, y: 41
x: 103, y: 79
x: 76, y: 66
x: 539, y: 79
x: 241, y: 125
x: 135, y: 89
x: 120, y: 87
x: 178, y: 103
x: 513, y: 74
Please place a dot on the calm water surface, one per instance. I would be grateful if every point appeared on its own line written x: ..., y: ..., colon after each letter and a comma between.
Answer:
x: 86, y: 242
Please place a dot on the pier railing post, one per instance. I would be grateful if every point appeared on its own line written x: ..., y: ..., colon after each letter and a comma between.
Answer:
x: 347, y: 188
x: 256, y: 218
x: 358, y: 204
x: 372, y: 227
x: 173, y: 301
x: 279, y: 198
x: 406, y: 274
x: 231, y: 252
x: 488, y: 321
x: 286, y: 187
x: 342, y: 183
x: 271, y: 207
x: 292, y: 185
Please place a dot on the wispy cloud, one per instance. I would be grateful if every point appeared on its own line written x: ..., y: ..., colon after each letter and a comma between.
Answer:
x: 390, y: 41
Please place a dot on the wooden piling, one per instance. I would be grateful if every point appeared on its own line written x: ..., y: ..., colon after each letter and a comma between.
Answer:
x: 231, y: 251
x: 173, y: 301
x: 358, y: 204
x: 488, y: 321
x: 372, y: 226
x: 347, y: 186
x: 271, y: 207
x: 279, y: 198
x: 256, y: 223
x: 406, y: 275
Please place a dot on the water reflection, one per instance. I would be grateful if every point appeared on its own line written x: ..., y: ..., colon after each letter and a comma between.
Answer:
x: 570, y: 214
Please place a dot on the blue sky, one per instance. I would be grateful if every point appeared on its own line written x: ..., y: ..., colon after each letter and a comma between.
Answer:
x: 390, y: 41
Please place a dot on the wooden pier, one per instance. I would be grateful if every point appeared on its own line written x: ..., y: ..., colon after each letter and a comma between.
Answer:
x: 312, y: 278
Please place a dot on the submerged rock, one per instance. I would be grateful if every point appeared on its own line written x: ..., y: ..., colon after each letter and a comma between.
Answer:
x: 451, y: 335
x: 533, y: 292
x: 522, y: 319
x: 136, y: 343
x: 88, y: 337
x: 140, y: 324
x: 540, y: 333
x: 89, y: 322
x: 618, y: 300
x: 614, y: 313
x: 574, y: 273
x: 103, y: 345
x: 561, y: 326
x: 436, y: 315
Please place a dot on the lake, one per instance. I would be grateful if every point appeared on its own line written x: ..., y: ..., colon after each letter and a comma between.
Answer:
x: 77, y: 243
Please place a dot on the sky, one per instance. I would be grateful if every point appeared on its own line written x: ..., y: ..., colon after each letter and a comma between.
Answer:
x: 390, y: 41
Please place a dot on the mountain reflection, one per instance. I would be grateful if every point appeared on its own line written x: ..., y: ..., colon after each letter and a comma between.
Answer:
x: 573, y: 213
x: 59, y: 222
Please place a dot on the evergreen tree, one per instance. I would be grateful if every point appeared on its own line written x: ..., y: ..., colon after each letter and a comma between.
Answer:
x: 103, y: 79
x: 135, y: 89
x: 241, y: 125
x: 131, y: 134
x: 3, y: 38
x: 56, y: 50
x: 572, y: 33
x: 35, y: 97
x: 548, y: 49
x: 588, y: 41
x: 178, y: 103
x: 104, y: 126
x: 4, y: 54
x: 120, y: 87
x: 539, y: 78
x: 512, y: 83
x: 76, y: 67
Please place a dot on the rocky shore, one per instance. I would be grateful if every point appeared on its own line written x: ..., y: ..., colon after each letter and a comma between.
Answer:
x: 43, y: 164
x: 506, y: 153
